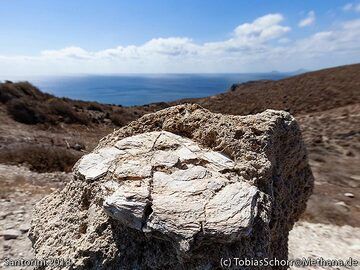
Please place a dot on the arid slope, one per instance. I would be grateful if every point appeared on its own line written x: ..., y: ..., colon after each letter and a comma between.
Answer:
x: 310, y: 92
x: 47, y: 133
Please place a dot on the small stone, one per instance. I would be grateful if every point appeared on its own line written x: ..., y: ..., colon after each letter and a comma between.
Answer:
x: 341, y: 203
x: 355, y: 177
x: 349, y: 153
x: 10, y: 234
x: 24, y: 228
x: 348, y: 194
x: 342, y: 207
x: 3, y: 215
x: 78, y: 146
x: 19, y: 212
x: 9, y: 226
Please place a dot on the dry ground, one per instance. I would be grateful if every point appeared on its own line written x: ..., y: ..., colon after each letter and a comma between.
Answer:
x: 325, y: 103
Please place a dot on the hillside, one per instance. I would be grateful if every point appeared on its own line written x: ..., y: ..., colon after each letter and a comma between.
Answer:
x: 27, y: 104
x: 309, y: 92
x: 47, y: 134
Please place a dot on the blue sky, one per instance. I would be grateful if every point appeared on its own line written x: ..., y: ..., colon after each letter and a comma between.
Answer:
x: 65, y: 37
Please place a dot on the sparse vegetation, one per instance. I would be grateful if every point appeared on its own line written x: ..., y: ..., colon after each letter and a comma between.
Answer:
x: 325, y: 103
x: 305, y: 93
x: 26, y: 111
x: 65, y: 112
x: 27, y: 104
x: 41, y: 158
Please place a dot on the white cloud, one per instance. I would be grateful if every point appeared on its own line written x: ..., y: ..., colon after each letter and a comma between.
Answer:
x: 348, y: 7
x: 71, y: 52
x: 309, y: 20
x: 250, y: 36
x: 260, y: 45
x: 352, y: 7
x: 333, y: 47
x: 284, y: 40
x: 266, y: 27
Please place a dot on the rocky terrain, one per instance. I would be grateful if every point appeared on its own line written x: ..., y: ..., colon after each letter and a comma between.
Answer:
x: 180, y: 188
x: 20, y: 190
x: 325, y: 104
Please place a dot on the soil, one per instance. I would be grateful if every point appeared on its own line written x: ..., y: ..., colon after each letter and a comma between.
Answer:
x: 23, y: 188
x: 325, y: 103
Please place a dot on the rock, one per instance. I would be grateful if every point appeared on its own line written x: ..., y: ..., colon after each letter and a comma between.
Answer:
x: 152, y: 179
x: 96, y: 164
x: 19, y: 212
x: 348, y: 194
x: 78, y: 146
x: 24, y: 228
x: 349, y: 153
x: 180, y: 188
x: 355, y: 177
x: 342, y: 207
x: 10, y: 234
x: 9, y: 225
x: 6, y: 247
x: 3, y: 215
x: 341, y: 203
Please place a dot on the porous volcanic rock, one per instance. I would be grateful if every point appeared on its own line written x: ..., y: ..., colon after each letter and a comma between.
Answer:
x: 179, y: 189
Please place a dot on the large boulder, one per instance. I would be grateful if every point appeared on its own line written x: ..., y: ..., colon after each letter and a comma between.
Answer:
x: 182, y: 188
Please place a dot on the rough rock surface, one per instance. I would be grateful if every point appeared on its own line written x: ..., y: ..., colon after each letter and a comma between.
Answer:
x: 180, y: 188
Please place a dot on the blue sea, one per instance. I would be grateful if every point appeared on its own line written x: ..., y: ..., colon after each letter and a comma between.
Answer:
x: 142, y: 89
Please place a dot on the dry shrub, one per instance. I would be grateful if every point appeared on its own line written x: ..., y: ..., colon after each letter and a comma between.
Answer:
x: 52, y: 111
x: 121, y: 117
x: 118, y: 120
x: 27, y: 111
x: 94, y: 106
x: 41, y: 158
x: 67, y: 113
x: 10, y: 91
x: 27, y: 104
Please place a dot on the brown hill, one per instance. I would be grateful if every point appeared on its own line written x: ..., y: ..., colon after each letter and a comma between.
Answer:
x: 47, y: 133
x: 27, y: 104
x: 310, y: 92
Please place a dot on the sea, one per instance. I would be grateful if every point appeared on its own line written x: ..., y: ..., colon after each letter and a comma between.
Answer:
x: 140, y: 89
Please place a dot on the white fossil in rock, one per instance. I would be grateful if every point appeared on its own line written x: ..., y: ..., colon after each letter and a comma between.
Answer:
x: 180, y: 188
x: 170, y: 184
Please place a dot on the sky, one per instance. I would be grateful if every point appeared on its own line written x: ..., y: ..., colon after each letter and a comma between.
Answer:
x: 51, y: 37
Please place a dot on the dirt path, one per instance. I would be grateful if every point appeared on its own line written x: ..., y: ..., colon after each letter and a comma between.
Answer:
x: 20, y: 190
x: 317, y: 240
